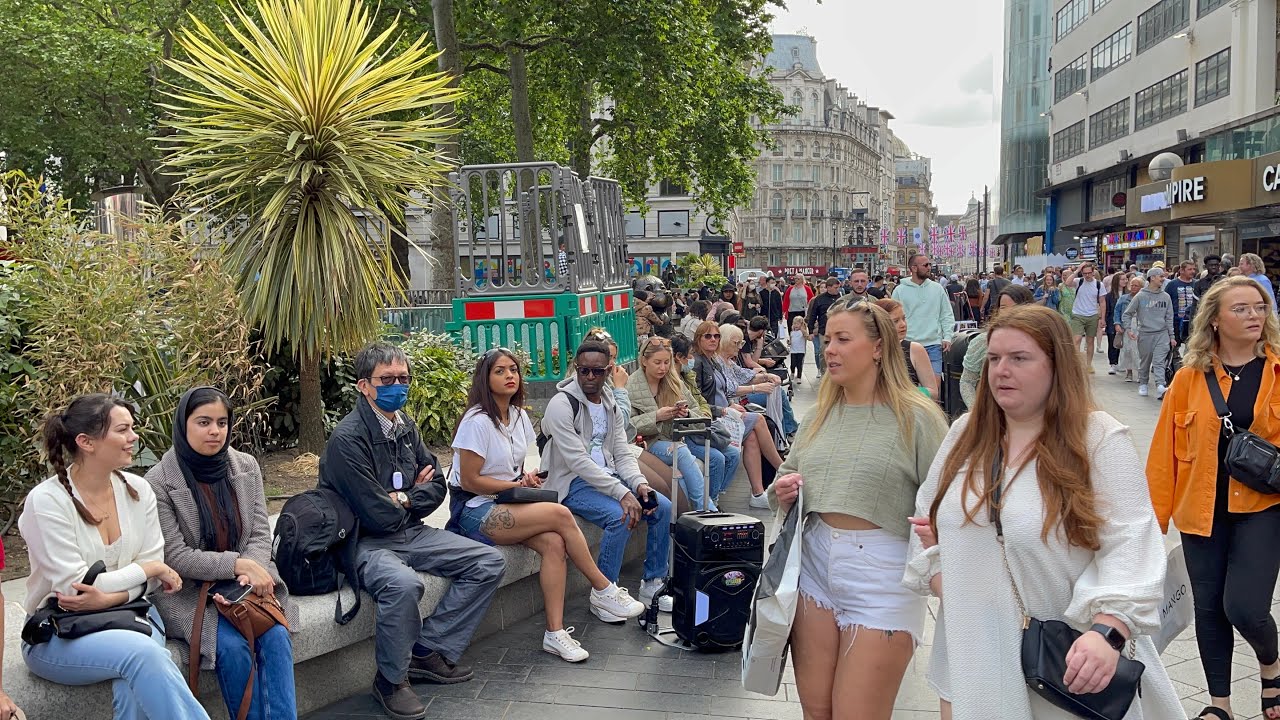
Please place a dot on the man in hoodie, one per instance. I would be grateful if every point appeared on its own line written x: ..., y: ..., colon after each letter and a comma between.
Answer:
x: 930, y: 319
x: 377, y: 462
x: 771, y: 304
x: 589, y: 465
x: 1153, y: 309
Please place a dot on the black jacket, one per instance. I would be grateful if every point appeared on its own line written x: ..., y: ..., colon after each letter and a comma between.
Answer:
x: 771, y: 305
x: 818, y: 307
x: 359, y: 460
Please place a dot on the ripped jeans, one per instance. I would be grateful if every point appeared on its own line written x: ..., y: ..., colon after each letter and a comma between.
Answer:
x: 857, y: 575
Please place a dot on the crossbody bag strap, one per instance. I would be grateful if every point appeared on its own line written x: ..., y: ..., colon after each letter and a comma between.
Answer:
x: 994, y: 500
x: 1219, y: 402
x: 193, y: 643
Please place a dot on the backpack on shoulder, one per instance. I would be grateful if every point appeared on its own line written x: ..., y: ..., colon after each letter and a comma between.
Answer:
x: 315, y: 547
x: 575, y: 405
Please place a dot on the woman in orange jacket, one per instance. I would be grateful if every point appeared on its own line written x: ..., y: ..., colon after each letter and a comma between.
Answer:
x: 1229, y: 531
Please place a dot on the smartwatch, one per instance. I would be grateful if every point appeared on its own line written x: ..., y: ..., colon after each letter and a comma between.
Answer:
x: 1113, y: 636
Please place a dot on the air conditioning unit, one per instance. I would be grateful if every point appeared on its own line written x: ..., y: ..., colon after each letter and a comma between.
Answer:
x: 1182, y: 135
x: 1079, y: 170
x: 1125, y: 155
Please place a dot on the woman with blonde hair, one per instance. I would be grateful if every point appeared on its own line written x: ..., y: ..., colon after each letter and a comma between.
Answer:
x: 1034, y: 508
x: 1229, y: 528
x: 918, y: 365
x: 861, y: 454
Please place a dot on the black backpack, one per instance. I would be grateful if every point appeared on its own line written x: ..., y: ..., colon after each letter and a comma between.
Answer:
x: 315, y: 547
x: 575, y: 404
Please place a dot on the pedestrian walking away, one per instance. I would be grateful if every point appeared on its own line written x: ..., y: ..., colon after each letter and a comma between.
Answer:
x: 1151, y: 312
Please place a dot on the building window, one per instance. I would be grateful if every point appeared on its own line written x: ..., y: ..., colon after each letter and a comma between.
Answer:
x: 800, y: 148
x: 817, y: 149
x: 1112, y: 52
x: 1071, y: 15
x: 1204, y: 7
x: 777, y: 202
x: 777, y: 173
x: 1109, y: 124
x: 1097, y: 4
x: 1213, y: 77
x: 816, y: 170
x: 1161, y: 101
x: 1102, y: 196
x: 1070, y: 78
x: 797, y: 234
x: 1162, y: 20
x: 813, y: 234
x: 1068, y: 142
x: 673, y: 222
x: 634, y: 224
x: 669, y: 188
x: 914, y: 198
x: 776, y: 234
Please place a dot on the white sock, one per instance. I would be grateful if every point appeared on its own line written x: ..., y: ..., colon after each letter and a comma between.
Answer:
x: 607, y: 591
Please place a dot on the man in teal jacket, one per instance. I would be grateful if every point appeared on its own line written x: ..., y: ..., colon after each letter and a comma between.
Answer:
x: 930, y: 318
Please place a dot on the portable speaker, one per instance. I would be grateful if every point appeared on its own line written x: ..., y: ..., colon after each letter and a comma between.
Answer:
x: 717, y: 564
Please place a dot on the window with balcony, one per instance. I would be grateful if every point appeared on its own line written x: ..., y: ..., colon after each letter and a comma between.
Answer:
x: 1161, y: 21
x: 1204, y: 7
x: 673, y: 222
x: 800, y: 149
x: 1112, y: 52
x: 1161, y: 101
x: 776, y: 203
x: 1070, y: 78
x: 1070, y: 16
x: 1213, y: 77
x: 1109, y: 124
x: 633, y: 224
x: 777, y: 173
x: 1068, y: 142
x: 669, y: 188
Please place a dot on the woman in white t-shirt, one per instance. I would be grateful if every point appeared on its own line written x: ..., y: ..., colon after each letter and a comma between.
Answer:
x: 489, y: 448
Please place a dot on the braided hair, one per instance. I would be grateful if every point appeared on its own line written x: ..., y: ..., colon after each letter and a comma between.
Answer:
x: 86, y: 415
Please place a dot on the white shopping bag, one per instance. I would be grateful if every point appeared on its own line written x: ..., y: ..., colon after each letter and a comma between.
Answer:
x: 1176, y: 610
x: 768, y: 635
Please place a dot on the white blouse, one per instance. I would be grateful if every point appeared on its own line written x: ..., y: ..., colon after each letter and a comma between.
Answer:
x: 62, y: 546
x: 1124, y: 578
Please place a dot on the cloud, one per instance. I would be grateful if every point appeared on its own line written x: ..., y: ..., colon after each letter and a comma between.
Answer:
x: 966, y: 112
x: 979, y: 78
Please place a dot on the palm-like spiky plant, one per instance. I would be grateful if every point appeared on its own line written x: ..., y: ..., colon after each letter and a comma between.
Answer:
x: 298, y: 122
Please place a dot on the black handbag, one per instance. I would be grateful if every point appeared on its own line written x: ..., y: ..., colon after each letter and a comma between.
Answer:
x: 1045, y: 644
x: 1249, y: 459
x: 523, y: 495
x: 50, y: 620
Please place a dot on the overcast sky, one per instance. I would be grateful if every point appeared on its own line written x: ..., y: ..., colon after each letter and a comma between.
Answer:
x: 934, y: 64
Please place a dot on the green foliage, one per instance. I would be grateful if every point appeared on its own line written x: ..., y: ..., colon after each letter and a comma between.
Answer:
x: 442, y: 371
x: 280, y: 380
x: 694, y: 271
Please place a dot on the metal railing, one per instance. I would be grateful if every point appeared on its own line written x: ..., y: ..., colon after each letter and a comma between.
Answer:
x: 432, y: 296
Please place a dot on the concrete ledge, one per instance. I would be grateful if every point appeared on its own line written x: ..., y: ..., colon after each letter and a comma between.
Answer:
x: 331, y: 661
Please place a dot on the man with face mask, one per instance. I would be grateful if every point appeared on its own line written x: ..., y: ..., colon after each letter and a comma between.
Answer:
x: 377, y: 462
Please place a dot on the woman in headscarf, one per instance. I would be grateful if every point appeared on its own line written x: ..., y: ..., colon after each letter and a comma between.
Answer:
x: 213, y: 515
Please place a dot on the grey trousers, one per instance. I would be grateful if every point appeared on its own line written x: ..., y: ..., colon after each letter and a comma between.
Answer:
x: 1153, y: 353
x: 387, y: 566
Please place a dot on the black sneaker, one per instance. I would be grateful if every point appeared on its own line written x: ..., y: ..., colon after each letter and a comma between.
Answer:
x: 398, y: 701
x: 434, y: 668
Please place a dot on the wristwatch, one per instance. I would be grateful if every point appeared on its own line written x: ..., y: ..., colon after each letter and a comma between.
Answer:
x: 1114, y: 637
x: 403, y: 499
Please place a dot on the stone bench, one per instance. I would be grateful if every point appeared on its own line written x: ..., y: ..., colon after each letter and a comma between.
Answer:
x: 331, y: 661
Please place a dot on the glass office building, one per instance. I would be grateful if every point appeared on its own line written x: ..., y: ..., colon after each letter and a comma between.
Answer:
x: 1024, y: 130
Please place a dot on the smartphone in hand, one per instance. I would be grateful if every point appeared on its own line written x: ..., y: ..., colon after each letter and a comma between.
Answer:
x: 230, y: 590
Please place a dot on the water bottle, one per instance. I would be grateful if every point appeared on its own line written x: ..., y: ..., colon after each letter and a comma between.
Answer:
x: 397, y: 480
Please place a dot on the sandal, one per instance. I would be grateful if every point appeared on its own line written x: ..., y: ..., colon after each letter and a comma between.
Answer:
x: 1270, y: 703
x: 1216, y: 713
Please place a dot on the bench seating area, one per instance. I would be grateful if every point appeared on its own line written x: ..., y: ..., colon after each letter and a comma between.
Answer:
x: 331, y: 661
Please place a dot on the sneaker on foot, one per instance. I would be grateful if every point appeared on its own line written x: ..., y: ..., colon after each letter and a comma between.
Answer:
x: 436, y: 669
x: 617, y: 602
x: 648, y: 589
x: 561, y: 643
x: 1111, y: 370
x: 760, y: 502
x: 1128, y: 378
x: 398, y: 701
x: 1142, y: 390
x: 1160, y: 391
x: 1089, y: 369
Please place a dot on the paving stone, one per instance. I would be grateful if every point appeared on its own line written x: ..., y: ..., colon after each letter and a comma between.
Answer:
x: 582, y: 677
x: 446, y: 708
x: 536, y: 711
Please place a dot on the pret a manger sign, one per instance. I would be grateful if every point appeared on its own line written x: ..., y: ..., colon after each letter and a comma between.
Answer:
x: 1185, y: 190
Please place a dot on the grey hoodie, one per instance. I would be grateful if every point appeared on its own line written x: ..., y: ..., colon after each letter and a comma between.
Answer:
x: 568, y: 455
x: 1154, y: 310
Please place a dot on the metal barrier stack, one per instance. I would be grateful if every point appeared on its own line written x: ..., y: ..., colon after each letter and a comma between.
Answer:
x: 511, y: 223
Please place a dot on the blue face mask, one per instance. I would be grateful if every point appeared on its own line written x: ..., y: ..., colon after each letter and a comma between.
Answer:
x: 392, y: 397
x: 688, y: 365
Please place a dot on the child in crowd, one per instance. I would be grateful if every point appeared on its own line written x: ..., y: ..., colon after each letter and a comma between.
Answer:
x: 799, y: 340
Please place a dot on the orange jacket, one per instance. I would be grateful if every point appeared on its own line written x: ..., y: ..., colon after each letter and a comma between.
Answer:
x: 1182, y: 468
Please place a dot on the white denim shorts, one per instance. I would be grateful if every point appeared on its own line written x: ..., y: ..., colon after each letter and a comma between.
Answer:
x: 857, y: 575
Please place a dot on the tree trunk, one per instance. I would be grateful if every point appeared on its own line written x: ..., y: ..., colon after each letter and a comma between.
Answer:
x: 582, y: 143
x: 310, y: 405
x: 444, y: 271
x: 521, y: 115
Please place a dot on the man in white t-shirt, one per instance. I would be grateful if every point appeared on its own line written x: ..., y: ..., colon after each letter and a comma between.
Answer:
x: 588, y: 463
x: 1090, y: 305
x: 1019, y: 276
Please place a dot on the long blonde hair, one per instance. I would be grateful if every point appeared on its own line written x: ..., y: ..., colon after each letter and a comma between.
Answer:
x: 1202, y: 343
x: 671, y: 389
x: 893, y: 384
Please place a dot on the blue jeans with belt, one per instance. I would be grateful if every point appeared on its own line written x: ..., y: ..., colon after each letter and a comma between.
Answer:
x: 273, y: 691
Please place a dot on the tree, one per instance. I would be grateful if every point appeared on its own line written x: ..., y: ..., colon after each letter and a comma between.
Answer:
x: 296, y: 124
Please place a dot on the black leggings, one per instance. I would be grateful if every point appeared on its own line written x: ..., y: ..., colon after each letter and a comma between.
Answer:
x: 1113, y: 352
x: 1233, y: 574
x: 797, y: 365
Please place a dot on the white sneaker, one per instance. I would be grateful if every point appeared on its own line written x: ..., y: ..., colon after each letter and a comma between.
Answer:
x: 562, y: 643
x: 1142, y: 390
x: 1160, y: 391
x: 799, y: 381
x: 760, y: 502
x: 616, y: 602
x: 1112, y: 370
x: 648, y: 589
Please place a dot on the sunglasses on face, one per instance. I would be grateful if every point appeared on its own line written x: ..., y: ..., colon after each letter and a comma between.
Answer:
x: 392, y: 379
x: 592, y: 372
x: 711, y: 336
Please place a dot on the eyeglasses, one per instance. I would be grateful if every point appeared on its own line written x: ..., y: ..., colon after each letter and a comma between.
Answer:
x: 710, y: 336
x: 1244, y: 311
x: 392, y: 379
x: 593, y: 372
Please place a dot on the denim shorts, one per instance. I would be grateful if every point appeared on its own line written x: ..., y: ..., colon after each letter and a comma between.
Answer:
x: 471, y: 518
x: 857, y: 575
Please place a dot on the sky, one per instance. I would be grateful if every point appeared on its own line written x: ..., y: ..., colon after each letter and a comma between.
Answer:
x: 934, y: 64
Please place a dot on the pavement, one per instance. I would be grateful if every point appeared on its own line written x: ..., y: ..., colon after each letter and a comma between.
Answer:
x: 630, y: 676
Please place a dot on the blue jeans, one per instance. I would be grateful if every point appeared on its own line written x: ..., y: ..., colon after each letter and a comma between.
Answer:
x: 935, y: 358
x: 721, y: 470
x: 145, y: 682
x: 817, y: 355
x: 690, y: 472
x: 273, y: 691
x: 789, y: 424
x: 606, y: 513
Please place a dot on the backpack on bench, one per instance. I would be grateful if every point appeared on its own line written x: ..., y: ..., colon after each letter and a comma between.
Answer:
x: 315, y: 547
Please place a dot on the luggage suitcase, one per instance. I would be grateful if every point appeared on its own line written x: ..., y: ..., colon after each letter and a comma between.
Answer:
x: 952, y: 368
x: 715, y: 564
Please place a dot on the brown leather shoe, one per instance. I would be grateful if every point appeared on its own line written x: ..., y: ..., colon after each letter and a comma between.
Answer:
x: 398, y: 701
x: 434, y: 668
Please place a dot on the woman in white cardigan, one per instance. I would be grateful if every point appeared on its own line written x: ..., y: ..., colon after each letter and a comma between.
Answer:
x: 1082, y: 542
x: 89, y: 511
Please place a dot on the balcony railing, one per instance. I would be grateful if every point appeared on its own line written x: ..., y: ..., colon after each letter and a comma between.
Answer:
x: 837, y: 214
x: 798, y: 182
x: 777, y: 212
x: 818, y: 213
x: 800, y: 213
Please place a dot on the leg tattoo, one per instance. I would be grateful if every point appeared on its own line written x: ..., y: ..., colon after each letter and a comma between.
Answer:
x: 499, y: 519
